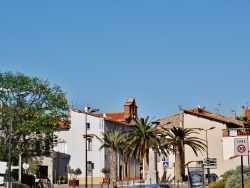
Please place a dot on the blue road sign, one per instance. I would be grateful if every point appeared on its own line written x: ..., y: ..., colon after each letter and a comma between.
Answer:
x: 165, y: 164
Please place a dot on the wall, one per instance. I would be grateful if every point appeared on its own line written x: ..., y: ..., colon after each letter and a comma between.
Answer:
x: 218, y: 147
x: 75, y: 144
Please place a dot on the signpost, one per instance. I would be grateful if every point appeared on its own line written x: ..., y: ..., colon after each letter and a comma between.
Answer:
x: 210, y: 163
x: 3, y: 167
x: 196, y: 177
x: 165, y: 164
x: 241, y: 149
x: 240, y: 146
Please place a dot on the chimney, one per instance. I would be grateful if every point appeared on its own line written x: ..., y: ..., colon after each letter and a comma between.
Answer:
x: 233, y: 114
x: 130, y: 110
x: 243, y: 111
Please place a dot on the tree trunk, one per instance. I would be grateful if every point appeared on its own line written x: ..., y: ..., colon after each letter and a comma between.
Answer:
x: 145, y: 168
x: 177, y: 165
x: 113, y: 167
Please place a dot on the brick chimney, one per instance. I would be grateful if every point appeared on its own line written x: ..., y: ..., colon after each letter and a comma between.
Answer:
x: 233, y: 114
x: 130, y: 110
x: 246, y: 112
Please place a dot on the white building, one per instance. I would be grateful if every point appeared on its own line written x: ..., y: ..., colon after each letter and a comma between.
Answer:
x: 219, y: 147
x: 71, y: 149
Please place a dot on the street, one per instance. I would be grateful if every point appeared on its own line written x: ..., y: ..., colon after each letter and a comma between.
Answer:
x: 106, y: 186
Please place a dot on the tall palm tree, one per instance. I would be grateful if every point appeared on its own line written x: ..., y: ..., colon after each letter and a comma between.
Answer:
x: 140, y: 138
x: 114, y: 141
x: 177, y: 138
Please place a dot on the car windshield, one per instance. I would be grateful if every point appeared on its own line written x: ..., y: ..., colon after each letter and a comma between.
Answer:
x: 164, y: 186
x: 144, y: 186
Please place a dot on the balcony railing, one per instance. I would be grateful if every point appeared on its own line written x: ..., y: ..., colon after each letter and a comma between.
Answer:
x: 232, y: 132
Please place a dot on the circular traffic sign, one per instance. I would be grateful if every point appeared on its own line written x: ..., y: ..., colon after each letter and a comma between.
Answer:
x: 25, y: 166
x: 241, y: 148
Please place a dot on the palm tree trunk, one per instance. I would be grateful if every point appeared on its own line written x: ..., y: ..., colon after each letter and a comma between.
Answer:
x: 177, y: 165
x: 113, y: 167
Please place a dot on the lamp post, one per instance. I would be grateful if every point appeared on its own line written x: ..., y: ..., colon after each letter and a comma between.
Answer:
x: 207, y: 160
x: 18, y: 95
x: 87, y: 110
x: 21, y: 95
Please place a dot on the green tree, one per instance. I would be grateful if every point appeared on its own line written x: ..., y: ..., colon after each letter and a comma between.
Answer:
x: 176, y: 139
x: 142, y: 137
x: 115, y: 142
x: 33, y: 117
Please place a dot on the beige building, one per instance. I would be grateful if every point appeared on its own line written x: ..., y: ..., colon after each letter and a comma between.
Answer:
x: 213, y: 128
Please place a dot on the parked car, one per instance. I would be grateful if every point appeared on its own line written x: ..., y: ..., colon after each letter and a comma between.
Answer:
x: 164, y: 185
x: 213, y: 177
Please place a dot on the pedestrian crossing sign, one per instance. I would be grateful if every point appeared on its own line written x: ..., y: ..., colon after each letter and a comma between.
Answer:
x: 165, y: 164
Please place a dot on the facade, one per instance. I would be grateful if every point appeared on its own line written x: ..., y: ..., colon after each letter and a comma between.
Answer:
x: 210, y: 127
x: 87, y: 126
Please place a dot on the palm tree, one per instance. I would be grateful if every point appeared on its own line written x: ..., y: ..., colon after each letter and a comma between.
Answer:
x: 114, y: 141
x: 142, y: 137
x: 177, y: 138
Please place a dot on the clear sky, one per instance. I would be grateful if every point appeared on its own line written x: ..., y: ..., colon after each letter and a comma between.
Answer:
x: 163, y: 53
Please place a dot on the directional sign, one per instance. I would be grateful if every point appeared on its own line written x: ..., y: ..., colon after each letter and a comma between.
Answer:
x: 241, y: 146
x: 165, y: 164
x: 3, y: 167
x: 210, y: 163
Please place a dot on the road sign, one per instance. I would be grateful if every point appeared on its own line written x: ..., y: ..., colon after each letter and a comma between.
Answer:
x: 26, y: 166
x: 241, y: 146
x: 210, y: 163
x: 165, y: 164
x: 3, y: 167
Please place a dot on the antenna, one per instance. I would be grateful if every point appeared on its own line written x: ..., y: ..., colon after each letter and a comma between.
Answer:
x: 180, y: 107
x: 218, y: 107
x: 152, y: 119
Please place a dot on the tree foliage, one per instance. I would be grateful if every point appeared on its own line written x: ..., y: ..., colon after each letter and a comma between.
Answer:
x: 114, y: 141
x: 33, y: 117
x: 142, y: 137
x: 74, y: 172
x: 176, y: 139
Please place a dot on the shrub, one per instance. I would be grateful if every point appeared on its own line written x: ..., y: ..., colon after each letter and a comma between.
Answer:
x: 74, y: 173
x: 218, y: 184
x: 233, y: 181
x: 106, y: 171
x: 247, y: 184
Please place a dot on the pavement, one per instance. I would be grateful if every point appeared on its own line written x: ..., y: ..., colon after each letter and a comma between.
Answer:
x: 109, y: 186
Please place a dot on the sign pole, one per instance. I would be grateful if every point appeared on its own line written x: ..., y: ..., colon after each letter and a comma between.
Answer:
x: 241, y: 148
x: 242, y: 175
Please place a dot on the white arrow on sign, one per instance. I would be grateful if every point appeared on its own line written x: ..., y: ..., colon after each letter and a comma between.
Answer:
x: 165, y: 164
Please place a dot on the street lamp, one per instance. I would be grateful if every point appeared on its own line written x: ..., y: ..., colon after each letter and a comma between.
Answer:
x: 87, y: 111
x: 207, y: 160
x: 21, y: 95
x: 18, y: 95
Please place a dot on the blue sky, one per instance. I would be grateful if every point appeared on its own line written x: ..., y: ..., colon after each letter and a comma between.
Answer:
x: 163, y: 53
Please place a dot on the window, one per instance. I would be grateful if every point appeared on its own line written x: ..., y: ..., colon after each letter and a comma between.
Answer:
x: 90, y: 167
x: 126, y: 169
x: 42, y: 172
x: 89, y: 144
x: 88, y: 125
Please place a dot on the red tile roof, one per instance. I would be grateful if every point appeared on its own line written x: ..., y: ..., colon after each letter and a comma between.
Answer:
x: 116, y: 116
x: 62, y: 125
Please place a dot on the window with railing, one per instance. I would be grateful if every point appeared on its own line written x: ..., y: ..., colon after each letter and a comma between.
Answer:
x: 89, y: 144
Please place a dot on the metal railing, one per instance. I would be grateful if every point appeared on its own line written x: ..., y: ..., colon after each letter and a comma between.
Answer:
x: 235, y: 132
